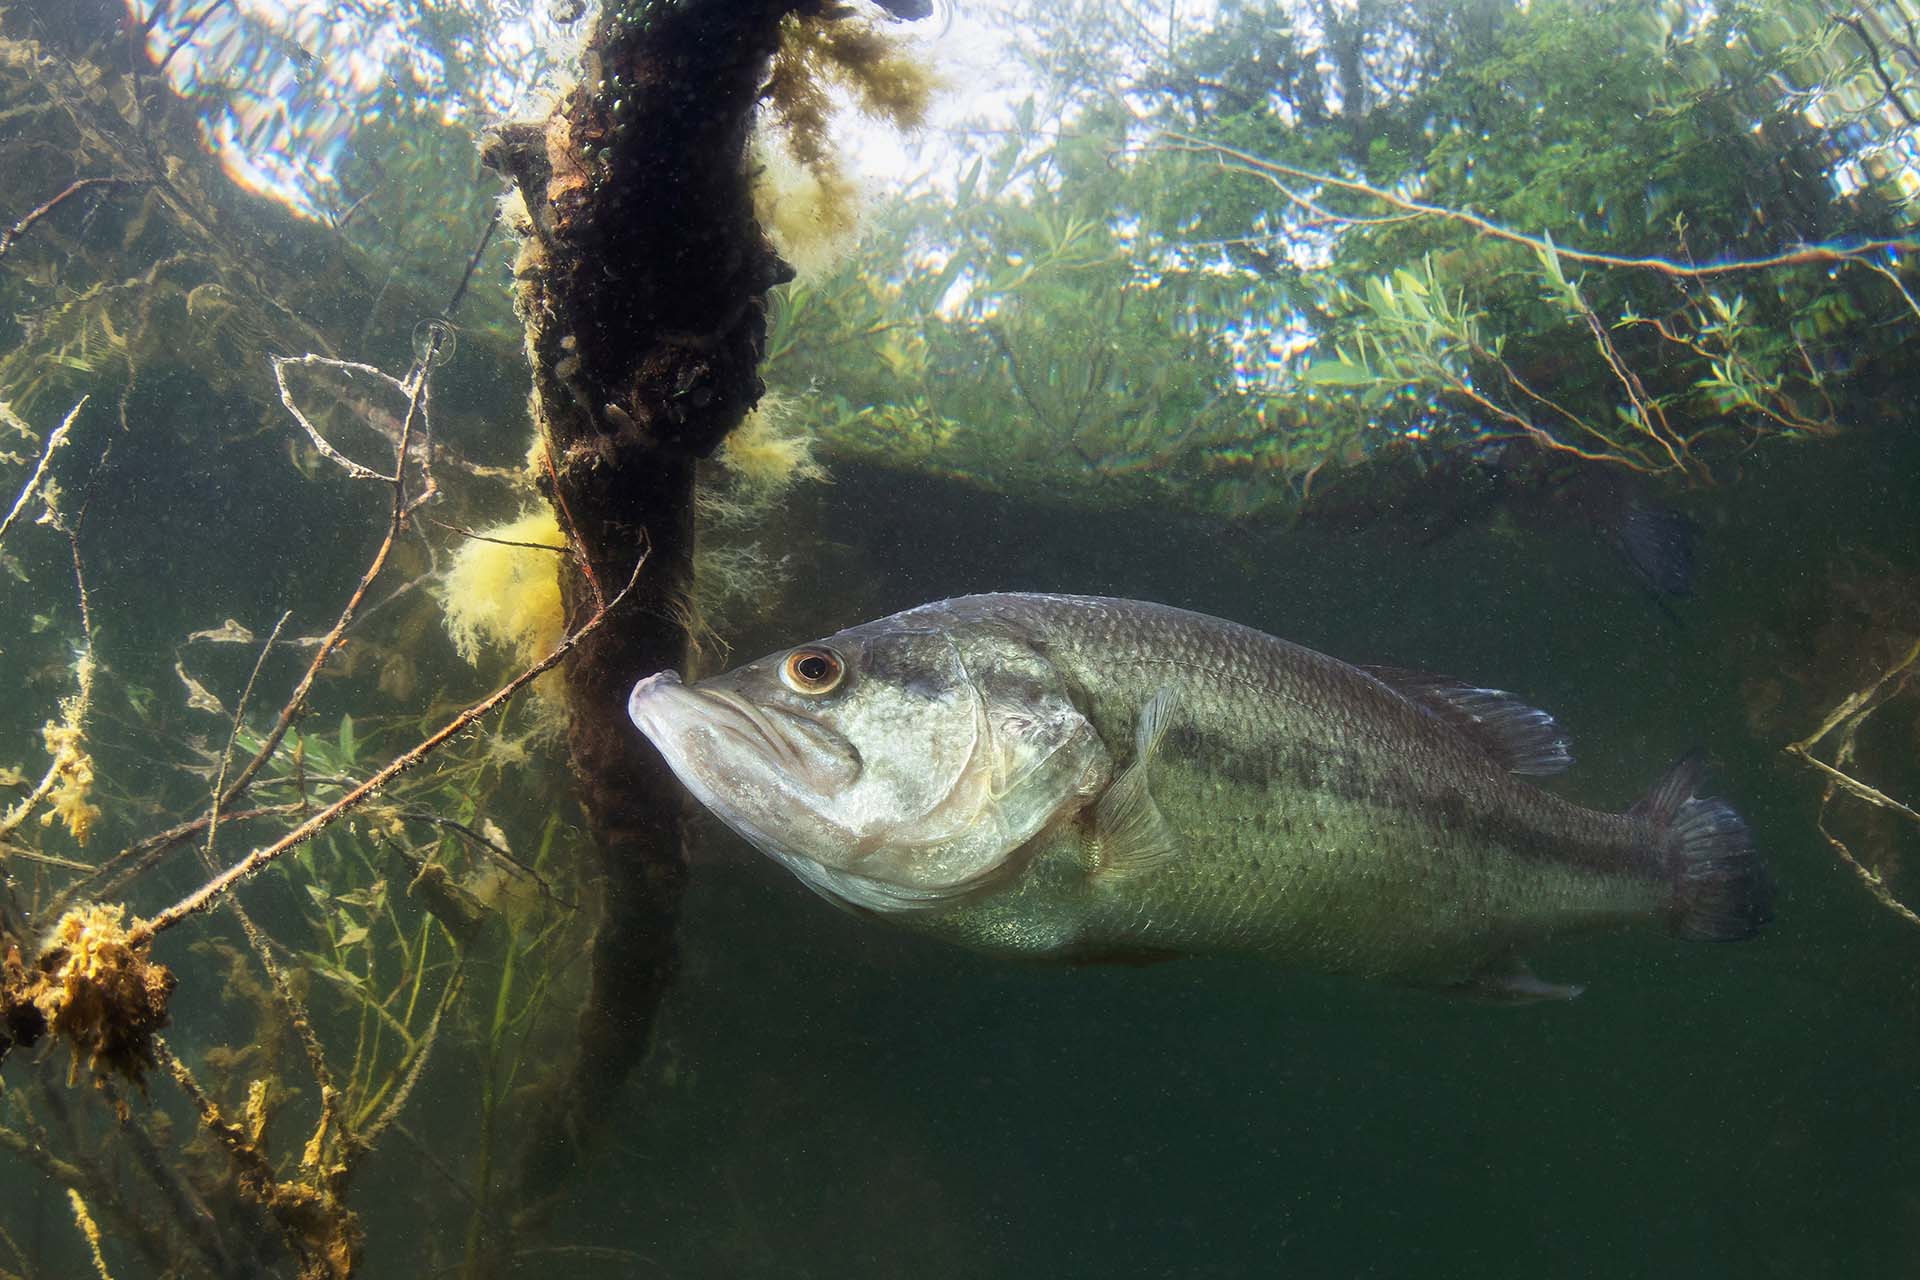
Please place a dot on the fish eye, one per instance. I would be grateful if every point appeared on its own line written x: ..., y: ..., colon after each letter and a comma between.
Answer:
x: 813, y: 671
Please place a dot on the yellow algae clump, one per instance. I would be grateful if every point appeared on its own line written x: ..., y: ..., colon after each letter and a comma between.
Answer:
x: 507, y: 596
x: 810, y: 212
x: 766, y: 454
x: 735, y: 576
x: 536, y: 466
x: 97, y: 990
x: 70, y: 801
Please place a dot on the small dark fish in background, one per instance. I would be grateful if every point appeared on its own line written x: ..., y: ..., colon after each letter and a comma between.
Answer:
x: 1654, y: 543
x: 1086, y: 779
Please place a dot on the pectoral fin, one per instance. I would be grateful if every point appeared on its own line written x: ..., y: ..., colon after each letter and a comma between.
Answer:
x: 1130, y: 835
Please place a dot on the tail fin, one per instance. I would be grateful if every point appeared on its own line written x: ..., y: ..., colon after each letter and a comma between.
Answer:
x: 1721, y: 889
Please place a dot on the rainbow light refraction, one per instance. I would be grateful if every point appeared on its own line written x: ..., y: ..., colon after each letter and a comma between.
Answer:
x: 286, y: 84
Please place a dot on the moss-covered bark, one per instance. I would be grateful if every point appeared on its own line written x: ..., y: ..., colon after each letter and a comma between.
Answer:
x: 642, y: 284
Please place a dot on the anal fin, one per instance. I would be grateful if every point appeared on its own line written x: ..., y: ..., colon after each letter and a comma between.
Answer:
x: 1510, y: 981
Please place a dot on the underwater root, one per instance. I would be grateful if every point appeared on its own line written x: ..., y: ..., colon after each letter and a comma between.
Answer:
x: 1845, y: 721
x: 92, y: 986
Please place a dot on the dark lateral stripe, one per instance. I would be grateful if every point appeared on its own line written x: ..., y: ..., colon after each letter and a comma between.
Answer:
x: 1543, y: 829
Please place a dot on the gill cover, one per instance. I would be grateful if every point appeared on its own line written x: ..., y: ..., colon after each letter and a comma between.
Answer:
x: 974, y: 748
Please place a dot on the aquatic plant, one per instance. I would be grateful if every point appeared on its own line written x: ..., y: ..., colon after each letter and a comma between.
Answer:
x: 804, y: 197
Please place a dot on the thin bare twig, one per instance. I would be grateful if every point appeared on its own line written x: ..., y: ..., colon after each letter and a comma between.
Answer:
x: 473, y: 264
x: 54, y: 441
x: 477, y: 536
x: 233, y: 733
x: 331, y: 1118
x: 138, y: 858
x: 193, y: 29
x: 498, y: 851
x: 415, y: 386
x: 20, y: 228
x: 1847, y: 718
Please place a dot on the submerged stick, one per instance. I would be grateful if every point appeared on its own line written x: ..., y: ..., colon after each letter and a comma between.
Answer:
x: 12, y: 234
x: 138, y: 858
x: 233, y: 732
x: 1847, y: 717
x: 54, y: 441
x: 415, y: 387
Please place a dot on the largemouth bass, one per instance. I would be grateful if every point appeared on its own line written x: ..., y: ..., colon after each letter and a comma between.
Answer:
x: 1087, y: 779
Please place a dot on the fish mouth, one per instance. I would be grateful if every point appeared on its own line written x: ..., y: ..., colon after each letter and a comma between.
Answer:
x: 803, y: 749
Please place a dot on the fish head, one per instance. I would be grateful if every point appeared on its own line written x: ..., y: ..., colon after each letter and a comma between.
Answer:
x: 892, y: 767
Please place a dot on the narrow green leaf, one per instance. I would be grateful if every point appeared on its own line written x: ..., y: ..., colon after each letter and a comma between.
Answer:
x: 964, y: 196
x: 1550, y: 259
x: 1337, y: 373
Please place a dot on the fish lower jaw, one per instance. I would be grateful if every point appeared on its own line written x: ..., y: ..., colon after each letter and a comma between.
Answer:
x: 643, y: 702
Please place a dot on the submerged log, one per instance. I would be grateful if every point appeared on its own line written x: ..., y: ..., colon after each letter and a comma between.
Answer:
x: 642, y: 283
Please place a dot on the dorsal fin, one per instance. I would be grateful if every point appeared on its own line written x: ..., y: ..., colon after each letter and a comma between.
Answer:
x: 1521, y: 738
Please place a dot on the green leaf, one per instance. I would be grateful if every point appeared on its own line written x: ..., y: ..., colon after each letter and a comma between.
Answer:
x: 1338, y: 373
x: 964, y: 196
x: 1550, y: 259
x: 349, y: 749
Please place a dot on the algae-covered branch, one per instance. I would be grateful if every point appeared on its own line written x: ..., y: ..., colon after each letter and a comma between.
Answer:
x: 642, y: 279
